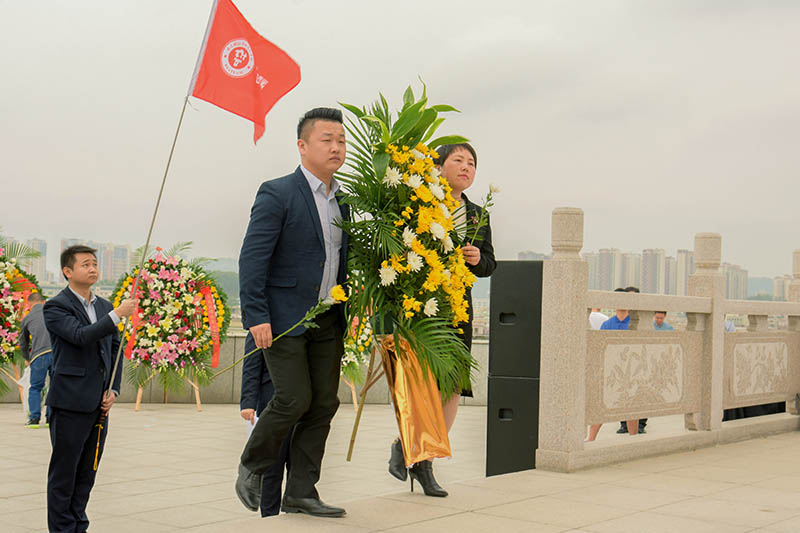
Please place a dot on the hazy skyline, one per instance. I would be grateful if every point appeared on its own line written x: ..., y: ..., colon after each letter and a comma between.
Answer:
x: 659, y: 119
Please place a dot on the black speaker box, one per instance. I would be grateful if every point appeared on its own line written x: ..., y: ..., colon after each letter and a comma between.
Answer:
x: 515, y: 327
x: 512, y: 428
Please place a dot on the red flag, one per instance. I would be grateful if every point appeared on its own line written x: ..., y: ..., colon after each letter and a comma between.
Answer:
x: 240, y: 71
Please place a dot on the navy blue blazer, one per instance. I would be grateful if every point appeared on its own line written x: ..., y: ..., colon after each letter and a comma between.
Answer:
x: 283, y: 255
x: 83, y: 353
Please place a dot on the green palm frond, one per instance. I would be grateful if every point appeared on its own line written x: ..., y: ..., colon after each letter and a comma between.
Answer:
x: 17, y: 250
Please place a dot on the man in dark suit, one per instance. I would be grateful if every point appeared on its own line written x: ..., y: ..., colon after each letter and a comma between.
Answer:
x: 84, y: 336
x: 292, y: 255
x: 257, y: 391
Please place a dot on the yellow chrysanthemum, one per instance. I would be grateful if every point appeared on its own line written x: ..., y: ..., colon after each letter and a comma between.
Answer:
x: 338, y: 294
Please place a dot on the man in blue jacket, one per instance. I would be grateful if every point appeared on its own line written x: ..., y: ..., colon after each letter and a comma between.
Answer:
x: 84, y: 337
x: 292, y: 255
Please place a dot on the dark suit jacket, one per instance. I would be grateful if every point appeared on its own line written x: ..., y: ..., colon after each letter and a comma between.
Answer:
x: 83, y: 353
x: 283, y: 255
x: 483, y: 242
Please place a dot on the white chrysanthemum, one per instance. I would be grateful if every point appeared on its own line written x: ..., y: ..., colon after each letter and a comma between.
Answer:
x: 437, y: 191
x: 414, y: 181
x: 435, y: 174
x: 494, y: 188
x: 416, y: 153
x: 448, y: 245
x: 329, y: 300
x: 415, y: 262
x: 438, y: 231
x: 446, y: 273
x: 388, y: 275
x: 431, y: 307
x: 445, y: 210
x: 408, y: 236
x: 392, y: 178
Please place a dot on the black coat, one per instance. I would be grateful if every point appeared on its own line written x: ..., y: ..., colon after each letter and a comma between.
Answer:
x: 83, y: 353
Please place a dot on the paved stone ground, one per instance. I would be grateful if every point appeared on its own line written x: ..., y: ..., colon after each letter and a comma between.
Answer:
x: 169, y: 468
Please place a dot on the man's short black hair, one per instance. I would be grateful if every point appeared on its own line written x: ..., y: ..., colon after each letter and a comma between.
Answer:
x: 446, y: 150
x: 632, y: 289
x: 68, y: 255
x: 36, y: 297
x: 318, y: 113
x: 662, y: 312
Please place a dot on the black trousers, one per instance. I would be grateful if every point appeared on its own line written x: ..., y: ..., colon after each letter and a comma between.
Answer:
x: 71, y: 474
x: 305, y: 372
x: 272, y: 482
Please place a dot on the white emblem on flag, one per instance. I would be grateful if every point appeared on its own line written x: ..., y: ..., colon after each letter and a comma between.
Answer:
x: 237, y: 58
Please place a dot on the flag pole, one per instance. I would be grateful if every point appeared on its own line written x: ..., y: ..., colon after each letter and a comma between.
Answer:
x: 102, y: 418
x: 149, y: 235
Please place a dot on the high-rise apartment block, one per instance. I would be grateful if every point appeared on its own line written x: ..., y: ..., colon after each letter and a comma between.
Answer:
x: 37, y: 266
x: 780, y: 288
x: 735, y: 281
x: 113, y: 260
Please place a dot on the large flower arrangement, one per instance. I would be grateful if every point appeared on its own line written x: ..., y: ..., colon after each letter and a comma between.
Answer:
x: 182, y: 318
x: 15, y: 286
x: 404, y: 258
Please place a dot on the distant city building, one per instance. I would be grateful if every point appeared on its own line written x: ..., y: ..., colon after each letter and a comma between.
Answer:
x: 631, y: 270
x: 653, y: 271
x: 530, y: 255
x: 592, y: 259
x: 780, y: 288
x: 113, y: 260
x: 735, y: 281
x: 683, y: 269
x: 609, y: 265
x: 38, y: 265
x: 670, y: 275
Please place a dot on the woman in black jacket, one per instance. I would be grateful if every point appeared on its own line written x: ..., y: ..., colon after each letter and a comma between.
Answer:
x: 457, y: 163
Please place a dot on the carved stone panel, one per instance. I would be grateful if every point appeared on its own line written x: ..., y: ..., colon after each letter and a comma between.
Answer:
x: 760, y: 368
x: 636, y: 375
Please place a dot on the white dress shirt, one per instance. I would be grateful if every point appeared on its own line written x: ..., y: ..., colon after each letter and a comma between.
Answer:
x: 329, y: 213
x: 90, y: 310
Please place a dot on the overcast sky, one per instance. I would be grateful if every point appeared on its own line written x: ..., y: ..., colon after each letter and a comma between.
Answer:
x: 660, y: 119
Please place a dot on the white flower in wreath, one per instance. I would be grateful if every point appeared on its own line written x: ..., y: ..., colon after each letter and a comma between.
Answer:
x: 408, y: 236
x: 415, y: 262
x: 448, y: 244
x: 437, y: 191
x: 414, y: 181
x: 445, y: 210
x: 392, y: 178
x: 431, y: 307
x: 388, y: 275
x: 416, y: 153
x: 446, y: 273
x: 438, y: 231
x: 435, y: 174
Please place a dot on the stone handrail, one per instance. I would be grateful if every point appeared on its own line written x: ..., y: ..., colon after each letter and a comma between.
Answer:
x: 648, y: 302
x: 750, y: 307
x: 589, y: 376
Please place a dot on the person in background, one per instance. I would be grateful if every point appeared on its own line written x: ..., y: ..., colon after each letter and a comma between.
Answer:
x: 659, y: 322
x: 596, y: 318
x: 619, y: 321
x: 34, y: 343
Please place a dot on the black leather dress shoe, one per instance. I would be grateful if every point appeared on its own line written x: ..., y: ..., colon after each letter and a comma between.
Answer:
x: 312, y: 506
x: 248, y: 488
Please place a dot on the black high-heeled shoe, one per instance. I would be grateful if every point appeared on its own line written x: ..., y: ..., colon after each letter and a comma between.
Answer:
x: 423, y: 473
x: 397, y: 463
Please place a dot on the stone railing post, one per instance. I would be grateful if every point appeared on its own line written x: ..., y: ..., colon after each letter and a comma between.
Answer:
x: 708, y: 281
x: 562, y: 396
x: 793, y: 407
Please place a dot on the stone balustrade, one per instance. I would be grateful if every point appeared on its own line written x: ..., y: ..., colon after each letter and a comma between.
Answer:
x: 593, y: 377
